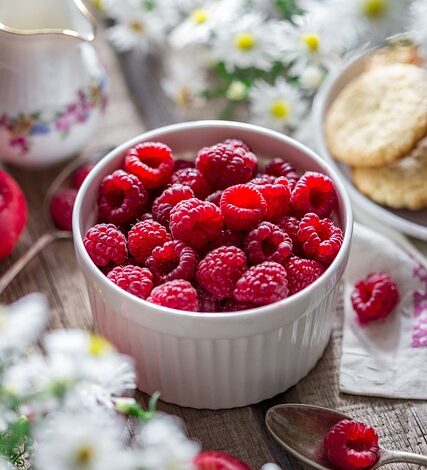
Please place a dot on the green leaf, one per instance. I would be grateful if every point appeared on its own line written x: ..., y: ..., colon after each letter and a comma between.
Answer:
x: 288, y: 8
x: 15, y: 438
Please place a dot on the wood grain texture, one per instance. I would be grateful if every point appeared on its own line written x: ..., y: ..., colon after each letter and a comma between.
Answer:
x: 402, y: 424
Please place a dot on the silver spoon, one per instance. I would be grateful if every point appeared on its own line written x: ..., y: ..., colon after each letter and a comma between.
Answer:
x: 301, y: 430
x: 53, y: 233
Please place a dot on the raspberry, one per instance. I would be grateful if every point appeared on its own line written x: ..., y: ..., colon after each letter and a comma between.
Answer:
x: 80, y: 175
x: 215, y: 197
x: 320, y: 238
x: 173, y: 260
x: 267, y: 242
x: 219, y: 271
x: 374, y: 297
x: 280, y: 167
x: 122, y: 197
x: 195, y: 222
x: 181, y: 164
x: 104, y: 244
x: 263, y: 179
x: 144, y: 236
x: 227, y: 237
x: 193, y: 178
x: 169, y: 198
x: 216, y: 460
x: 133, y: 279
x: 290, y: 225
x: 61, y: 208
x: 314, y: 192
x: 351, y: 445
x: 262, y: 284
x: 277, y: 195
x: 13, y: 214
x: 225, y: 165
x: 207, y: 302
x: 242, y: 207
x: 237, y: 144
x: 151, y: 162
x: 177, y: 294
x: 302, y: 273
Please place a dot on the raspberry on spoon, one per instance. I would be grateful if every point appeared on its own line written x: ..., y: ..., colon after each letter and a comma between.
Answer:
x: 351, y: 445
x: 374, y: 297
x: 61, y: 208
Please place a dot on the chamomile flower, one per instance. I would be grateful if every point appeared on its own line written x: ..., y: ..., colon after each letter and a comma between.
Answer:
x: 162, y: 445
x: 277, y: 106
x: 311, y: 77
x: 81, y: 441
x: 21, y: 324
x: 363, y: 21
x: 249, y: 42
x: 419, y: 25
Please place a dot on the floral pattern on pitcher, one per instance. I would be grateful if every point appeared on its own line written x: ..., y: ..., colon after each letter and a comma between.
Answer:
x: 23, y: 126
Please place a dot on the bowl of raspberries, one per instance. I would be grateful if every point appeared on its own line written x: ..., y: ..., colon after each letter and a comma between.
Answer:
x: 213, y: 252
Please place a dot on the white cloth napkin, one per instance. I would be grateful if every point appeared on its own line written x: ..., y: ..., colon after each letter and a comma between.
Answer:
x: 385, y: 358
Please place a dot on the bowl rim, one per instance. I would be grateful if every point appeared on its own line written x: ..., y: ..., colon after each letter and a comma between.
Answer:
x: 157, y: 133
x: 318, y: 114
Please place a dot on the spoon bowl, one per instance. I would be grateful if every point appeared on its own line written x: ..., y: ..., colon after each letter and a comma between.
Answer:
x: 301, y: 431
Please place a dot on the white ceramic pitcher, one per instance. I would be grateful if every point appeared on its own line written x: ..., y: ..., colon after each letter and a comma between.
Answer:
x: 52, y: 84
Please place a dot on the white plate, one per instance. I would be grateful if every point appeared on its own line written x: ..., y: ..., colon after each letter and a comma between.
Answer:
x: 413, y: 223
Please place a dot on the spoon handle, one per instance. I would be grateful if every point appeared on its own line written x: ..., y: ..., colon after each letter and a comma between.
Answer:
x: 26, y: 257
x: 390, y: 456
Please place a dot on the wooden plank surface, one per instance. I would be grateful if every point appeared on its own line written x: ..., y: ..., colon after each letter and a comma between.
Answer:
x: 402, y: 424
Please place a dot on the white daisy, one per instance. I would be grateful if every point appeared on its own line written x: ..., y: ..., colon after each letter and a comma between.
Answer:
x: 81, y: 441
x: 5, y: 465
x: 278, y: 106
x: 7, y: 416
x: 419, y: 24
x: 162, y: 445
x: 21, y: 323
x: 363, y: 21
x: 249, y: 42
x: 311, y: 77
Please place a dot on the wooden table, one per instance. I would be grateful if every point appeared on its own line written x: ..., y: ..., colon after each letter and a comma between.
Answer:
x: 402, y: 424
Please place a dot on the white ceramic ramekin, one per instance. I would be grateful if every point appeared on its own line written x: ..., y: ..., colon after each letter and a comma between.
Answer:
x: 215, y: 360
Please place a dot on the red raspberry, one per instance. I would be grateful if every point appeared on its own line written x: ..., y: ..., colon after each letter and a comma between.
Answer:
x: 177, y: 294
x: 151, y: 162
x: 80, y: 175
x: 193, y: 178
x: 242, y: 207
x: 122, y: 197
x: 169, y: 198
x: 280, y: 167
x: 314, y: 192
x: 195, y: 222
x: 207, y: 302
x: 262, y: 284
x: 290, y: 225
x: 374, y: 297
x: 144, y: 236
x: 181, y: 164
x: 237, y: 144
x: 267, y: 242
x: 13, y: 214
x: 134, y: 279
x: 263, y: 179
x: 277, y: 195
x: 61, y: 208
x: 320, y: 238
x: 216, y: 460
x: 219, y: 271
x: 104, y: 244
x: 215, y: 197
x: 302, y: 273
x: 225, y: 165
x: 173, y: 260
x: 351, y: 445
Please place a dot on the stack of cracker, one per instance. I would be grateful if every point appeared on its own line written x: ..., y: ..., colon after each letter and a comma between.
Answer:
x: 378, y: 126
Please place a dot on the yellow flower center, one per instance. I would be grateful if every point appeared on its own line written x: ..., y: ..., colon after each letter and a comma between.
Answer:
x: 2, y: 317
x: 280, y: 109
x: 84, y: 455
x: 199, y: 16
x: 98, y: 4
x: 98, y: 346
x: 311, y: 41
x: 374, y: 8
x: 136, y: 26
x: 244, y: 41
x: 183, y: 97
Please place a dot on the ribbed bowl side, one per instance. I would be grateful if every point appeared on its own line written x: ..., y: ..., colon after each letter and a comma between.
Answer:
x: 220, y: 373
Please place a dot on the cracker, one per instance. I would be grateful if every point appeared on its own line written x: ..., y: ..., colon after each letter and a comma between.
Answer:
x: 394, y: 54
x: 379, y: 117
x: 401, y: 185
